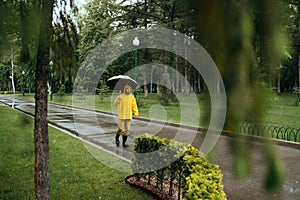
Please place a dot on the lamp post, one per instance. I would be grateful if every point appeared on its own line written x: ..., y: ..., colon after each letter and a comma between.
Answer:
x: 9, y: 84
x: 22, y: 83
x: 51, y: 79
x: 12, y: 77
x: 135, y: 43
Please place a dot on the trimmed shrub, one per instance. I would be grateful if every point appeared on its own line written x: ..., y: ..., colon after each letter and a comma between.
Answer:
x: 203, y: 179
x: 188, y: 168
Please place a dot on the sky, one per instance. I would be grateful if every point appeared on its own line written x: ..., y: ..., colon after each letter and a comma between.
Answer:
x: 81, y: 2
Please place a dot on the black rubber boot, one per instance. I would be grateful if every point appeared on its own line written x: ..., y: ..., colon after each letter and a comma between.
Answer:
x: 117, y: 139
x: 124, y: 140
x: 118, y: 135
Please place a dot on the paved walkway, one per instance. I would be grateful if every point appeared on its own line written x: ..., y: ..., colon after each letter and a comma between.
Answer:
x: 99, y: 128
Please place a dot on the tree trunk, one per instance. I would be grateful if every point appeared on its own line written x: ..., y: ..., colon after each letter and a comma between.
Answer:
x: 278, y: 82
x: 145, y: 86
x: 41, y: 142
x: 186, y: 83
x: 182, y: 84
x: 299, y: 71
x: 199, y: 84
x: 146, y: 52
x: 298, y: 28
x: 145, y: 76
x: 177, y: 75
x: 12, y: 77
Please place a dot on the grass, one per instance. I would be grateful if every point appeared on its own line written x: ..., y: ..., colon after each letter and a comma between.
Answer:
x: 74, y: 172
x: 282, y: 111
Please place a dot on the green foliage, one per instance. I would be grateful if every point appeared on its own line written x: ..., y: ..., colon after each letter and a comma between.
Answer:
x: 61, y: 90
x: 203, y: 179
x: 247, y: 45
x: 194, y: 174
x: 276, y: 175
x: 96, y: 24
x: 146, y: 144
x: 140, y: 102
x: 103, y: 91
x: 163, y: 98
x: 166, y: 96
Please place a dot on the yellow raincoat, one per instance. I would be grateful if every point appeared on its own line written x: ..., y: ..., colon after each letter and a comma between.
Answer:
x: 126, y: 105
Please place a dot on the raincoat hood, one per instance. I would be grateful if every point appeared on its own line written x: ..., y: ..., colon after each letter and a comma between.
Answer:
x: 127, y: 87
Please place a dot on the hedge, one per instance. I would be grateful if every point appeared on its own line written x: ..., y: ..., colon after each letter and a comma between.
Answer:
x: 176, y: 165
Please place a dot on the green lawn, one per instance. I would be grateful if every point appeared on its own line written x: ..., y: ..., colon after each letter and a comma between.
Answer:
x: 282, y: 110
x: 74, y: 172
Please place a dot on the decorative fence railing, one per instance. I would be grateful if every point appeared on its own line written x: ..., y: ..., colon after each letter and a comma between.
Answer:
x: 273, y: 131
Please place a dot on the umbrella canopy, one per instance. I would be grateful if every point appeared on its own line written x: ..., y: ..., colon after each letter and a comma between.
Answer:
x: 118, y: 82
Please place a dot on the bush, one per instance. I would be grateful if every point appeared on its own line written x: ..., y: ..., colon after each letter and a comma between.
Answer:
x: 103, y: 91
x: 188, y: 168
x: 61, y: 90
x: 5, y: 92
x: 203, y: 179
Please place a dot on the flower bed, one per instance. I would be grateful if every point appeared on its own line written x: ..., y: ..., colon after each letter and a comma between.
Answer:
x: 144, y: 184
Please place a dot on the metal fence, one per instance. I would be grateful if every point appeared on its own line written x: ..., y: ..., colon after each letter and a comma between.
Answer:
x: 273, y: 131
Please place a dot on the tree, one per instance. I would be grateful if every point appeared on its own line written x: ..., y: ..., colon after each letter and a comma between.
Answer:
x: 63, y: 51
x: 172, y: 14
x: 245, y: 39
x: 292, y: 71
x: 41, y: 141
x: 10, y: 58
x: 27, y: 25
x: 96, y: 24
x: 42, y: 178
x: 9, y: 40
x: 114, y: 18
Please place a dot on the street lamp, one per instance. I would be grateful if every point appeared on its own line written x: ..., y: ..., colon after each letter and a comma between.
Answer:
x: 135, y: 43
x: 51, y: 79
x: 22, y: 85
x: 10, y: 77
x: 12, y: 80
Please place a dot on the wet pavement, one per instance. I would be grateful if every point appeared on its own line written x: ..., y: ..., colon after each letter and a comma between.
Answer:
x: 98, y: 128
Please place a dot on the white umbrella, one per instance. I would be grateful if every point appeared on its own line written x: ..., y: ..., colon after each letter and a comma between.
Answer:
x: 118, y: 82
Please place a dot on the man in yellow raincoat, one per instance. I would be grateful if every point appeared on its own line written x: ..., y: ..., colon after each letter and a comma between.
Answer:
x: 126, y: 106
